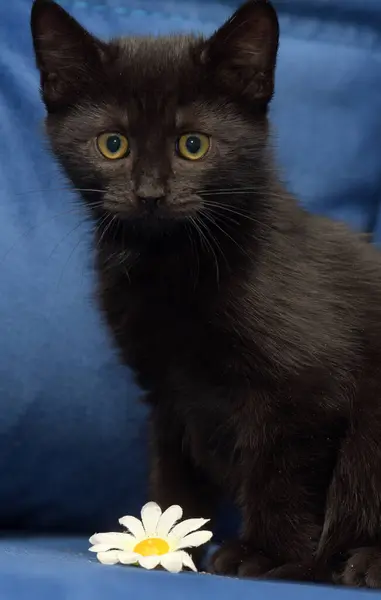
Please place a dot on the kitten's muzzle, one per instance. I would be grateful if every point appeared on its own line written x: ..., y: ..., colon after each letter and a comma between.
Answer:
x: 151, y: 203
x: 149, y: 193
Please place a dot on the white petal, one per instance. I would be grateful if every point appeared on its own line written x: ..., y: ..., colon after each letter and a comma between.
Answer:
x: 134, y: 526
x: 114, y: 540
x: 149, y: 562
x: 188, y: 562
x: 128, y: 558
x: 101, y: 548
x: 186, y: 527
x: 173, y: 562
x: 104, y: 538
x: 108, y: 558
x: 168, y: 520
x: 95, y: 538
x: 195, y: 539
x: 151, y: 513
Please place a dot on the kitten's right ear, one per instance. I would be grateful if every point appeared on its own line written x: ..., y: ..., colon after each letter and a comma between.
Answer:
x: 66, y: 54
x: 241, y: 55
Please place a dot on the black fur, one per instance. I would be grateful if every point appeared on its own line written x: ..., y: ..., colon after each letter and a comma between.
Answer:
x: 253, y: 326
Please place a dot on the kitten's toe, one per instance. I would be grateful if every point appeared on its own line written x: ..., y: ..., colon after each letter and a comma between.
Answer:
x: 363, y: 568
x: 235, y: 558
x: 255, y: 566
x: 227, y: 559
x: 300, y: 572
x: 291, y: 572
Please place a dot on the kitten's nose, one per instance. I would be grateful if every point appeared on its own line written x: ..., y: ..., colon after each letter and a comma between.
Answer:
x: 150, y: 195
x: 151, y: 202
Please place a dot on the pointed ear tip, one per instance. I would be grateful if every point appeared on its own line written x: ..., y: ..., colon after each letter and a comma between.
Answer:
x: 271, y: 10
x: 42, y: 5
x: 38, y: 4
x: 264, y: 7
x: 267, y: 14
x: 46, y: 15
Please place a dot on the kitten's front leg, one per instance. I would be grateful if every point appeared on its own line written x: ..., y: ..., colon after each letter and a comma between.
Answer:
x: 174, y: 479
x: 281, y: 520
x: 351, y: 539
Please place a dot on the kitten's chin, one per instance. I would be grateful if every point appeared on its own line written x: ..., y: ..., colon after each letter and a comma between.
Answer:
x: 144, y: 227
x: 141, y: 224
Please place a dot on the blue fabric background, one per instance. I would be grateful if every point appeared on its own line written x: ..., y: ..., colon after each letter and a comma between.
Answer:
x: 72, y: 434
x: 72, y: 437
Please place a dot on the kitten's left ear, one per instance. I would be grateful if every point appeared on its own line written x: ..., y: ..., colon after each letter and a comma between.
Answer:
x: 241, y: 55
x: 69, y: 57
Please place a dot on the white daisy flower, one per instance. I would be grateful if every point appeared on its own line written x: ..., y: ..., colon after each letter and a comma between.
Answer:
x: 157, y: 540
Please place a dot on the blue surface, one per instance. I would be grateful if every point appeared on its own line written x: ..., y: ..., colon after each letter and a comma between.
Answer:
x: 72, y: 434
x: 62, y: 569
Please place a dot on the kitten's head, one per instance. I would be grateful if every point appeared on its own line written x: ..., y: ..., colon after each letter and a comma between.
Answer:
x: 160, y: 129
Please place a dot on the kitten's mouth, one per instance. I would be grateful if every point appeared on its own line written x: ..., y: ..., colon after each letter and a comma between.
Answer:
x: 154, y: 215
x: 148, y: 223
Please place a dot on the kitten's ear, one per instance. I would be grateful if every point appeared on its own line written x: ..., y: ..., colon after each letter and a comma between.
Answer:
x: 242, y: 53
x: 66, y: 54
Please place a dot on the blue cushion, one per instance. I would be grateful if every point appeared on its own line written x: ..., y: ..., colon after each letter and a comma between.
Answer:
x: 61, y: 569
x: 72, y: 432
x: 327, y: 109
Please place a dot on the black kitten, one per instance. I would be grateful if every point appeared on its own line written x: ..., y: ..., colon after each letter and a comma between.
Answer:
x: 254, y: 327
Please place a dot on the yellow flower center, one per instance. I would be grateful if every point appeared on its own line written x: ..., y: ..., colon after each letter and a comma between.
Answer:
x: 152, y: 547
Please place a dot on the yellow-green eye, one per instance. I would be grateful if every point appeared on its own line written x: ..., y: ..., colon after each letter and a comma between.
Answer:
x: 113, y: 145
x: 193, y: 146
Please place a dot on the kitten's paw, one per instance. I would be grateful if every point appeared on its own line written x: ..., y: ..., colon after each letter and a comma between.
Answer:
x: 362, y: 569
x: 300, y: 572
x: 235, y: 558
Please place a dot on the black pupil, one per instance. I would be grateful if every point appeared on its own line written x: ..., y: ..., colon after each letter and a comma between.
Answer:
x: 113, y: 144
x: 193, y: 144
